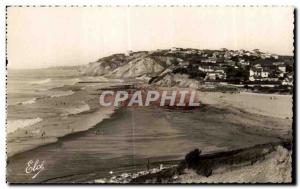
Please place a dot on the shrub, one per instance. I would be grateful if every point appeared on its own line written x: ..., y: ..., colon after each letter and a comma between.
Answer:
x: 192, y: 158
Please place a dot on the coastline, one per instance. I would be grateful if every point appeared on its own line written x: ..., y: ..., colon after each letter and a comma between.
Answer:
x: 264, y: 166
x: 235, y: 116
x: 63, y: 124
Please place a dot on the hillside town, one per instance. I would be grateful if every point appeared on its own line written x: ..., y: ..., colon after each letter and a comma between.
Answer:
x: 240, y: 66
x: 201, y: 68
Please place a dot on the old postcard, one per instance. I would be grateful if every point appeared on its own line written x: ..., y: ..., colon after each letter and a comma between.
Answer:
x: 136, y: 95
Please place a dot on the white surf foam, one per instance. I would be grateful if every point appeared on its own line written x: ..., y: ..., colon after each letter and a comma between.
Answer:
x: 62, y: 93
x: 41, y: 81
x: 31, y: 101
x: 13, y: 125
x: 74, y: 81
x: 76, y: 110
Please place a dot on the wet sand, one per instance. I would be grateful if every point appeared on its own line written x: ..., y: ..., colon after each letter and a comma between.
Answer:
x: 132, y: 136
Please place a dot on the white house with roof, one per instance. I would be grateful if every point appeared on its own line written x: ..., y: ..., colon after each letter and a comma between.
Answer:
x: 213, y: 72
x: 257, y: 72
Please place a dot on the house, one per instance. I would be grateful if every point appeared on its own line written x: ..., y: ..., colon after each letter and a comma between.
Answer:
x: 265, y: 55
x: 213, y: 72
x: 265, y: 72
x: 214, y: 75
x: 282, y: 68
x: 227, y: 55
x: 257, y: 72
x: 175, y: 49
x: 230, y: 62
x: 243, y: 62
x: 206, y: 68
x: 279, y: 68
x: 128, y: 53
x: 248, y: 54
x: 209, y: 60
x: 288, y: 80
x: 184, y: 64
x: 275, y: 56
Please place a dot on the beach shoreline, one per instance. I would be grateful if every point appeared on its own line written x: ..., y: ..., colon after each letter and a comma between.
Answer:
x: 240, y: 101
x: 210, y: 99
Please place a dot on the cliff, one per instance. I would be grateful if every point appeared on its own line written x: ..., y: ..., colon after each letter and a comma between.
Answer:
x: 187, y: 67
x: 156, y: 67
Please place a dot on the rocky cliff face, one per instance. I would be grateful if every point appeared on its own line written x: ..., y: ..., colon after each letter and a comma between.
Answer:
x: 179, y: 80
x: 146, y: 66
x: 154, y: 67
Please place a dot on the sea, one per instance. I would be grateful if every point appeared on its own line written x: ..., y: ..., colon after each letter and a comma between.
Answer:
x: 45, y: 103
x: 28, y: 87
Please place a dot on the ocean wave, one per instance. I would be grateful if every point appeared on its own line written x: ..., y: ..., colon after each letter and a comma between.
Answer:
x: 59, y: 83
x: 53, y: 95
x: 31, y: 101
x: 62, y: 93
x: 49, y: 88
x: 74, y: 81
x: 76, y: 110
x: 42, y: 81
x: 13, y: 125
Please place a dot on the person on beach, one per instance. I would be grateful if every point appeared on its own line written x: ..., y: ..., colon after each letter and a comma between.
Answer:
x: 148, y: 164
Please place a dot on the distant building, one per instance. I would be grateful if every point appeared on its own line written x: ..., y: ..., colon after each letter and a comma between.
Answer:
x: 184, y: 64
x: 128, y: 53
x: 213, y: 72
x: 282, y: 68
x: 258, y: 73
x: 218, y: 74
x: 288, y: 80
x: 230, y: 62
x: 209, y: 60
x: 266, y: 72
x: 275, y: 56
x: 206, y: 68
x: 243, y: 62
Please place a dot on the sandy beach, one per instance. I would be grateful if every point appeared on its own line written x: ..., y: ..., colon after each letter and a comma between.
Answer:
x: 275, y: 167
x: 273, y: 105
x: 80, y: 141
x: 132, y: 136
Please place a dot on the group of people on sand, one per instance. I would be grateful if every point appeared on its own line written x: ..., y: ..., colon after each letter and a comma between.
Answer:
x: 43, y: 135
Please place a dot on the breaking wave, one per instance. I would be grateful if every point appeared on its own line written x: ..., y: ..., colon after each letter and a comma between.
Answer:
x: 31, y: 101
x: 61, y: 93
x: 41, y: 81
x: 76, y: 110
x: 14, y: 125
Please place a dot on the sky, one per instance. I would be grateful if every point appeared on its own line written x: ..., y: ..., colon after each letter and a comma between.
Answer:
x: 40, y: 37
